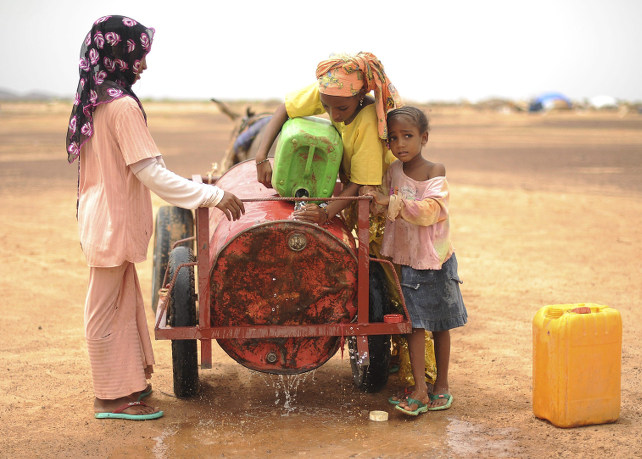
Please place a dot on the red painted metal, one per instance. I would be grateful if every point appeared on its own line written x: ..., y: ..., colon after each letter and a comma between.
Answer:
x: 268, y: 269
x: 279, y: 331
x: 202, y: 247
x: 202, y: 229
x: 393, y: 318
x: 276, y: 293
x: 363, y: 233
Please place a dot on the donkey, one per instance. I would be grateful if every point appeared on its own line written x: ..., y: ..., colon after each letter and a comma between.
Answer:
x: 246, y: 135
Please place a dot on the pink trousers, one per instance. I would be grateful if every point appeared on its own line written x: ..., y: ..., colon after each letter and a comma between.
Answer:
x: 116, y: 331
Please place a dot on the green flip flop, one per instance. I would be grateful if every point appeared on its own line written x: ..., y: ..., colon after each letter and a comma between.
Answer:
x: 406, y: 391
x: 146, y: 393
x: 118, y: 413
x: 447, y: 397
x: 421, y: 407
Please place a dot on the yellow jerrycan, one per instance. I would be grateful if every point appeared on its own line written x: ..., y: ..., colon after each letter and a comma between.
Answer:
x: 577, y: 355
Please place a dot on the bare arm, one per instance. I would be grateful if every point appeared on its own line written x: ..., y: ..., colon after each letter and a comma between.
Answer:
x: 263, y: 168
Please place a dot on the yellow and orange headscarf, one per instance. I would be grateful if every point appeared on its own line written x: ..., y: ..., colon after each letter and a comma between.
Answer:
x: 346, y: 75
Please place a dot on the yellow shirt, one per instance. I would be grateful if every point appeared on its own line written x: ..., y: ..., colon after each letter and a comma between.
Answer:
x: 365, y: 156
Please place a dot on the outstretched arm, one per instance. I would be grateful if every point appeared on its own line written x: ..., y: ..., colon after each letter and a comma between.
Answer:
x: 185, y: 193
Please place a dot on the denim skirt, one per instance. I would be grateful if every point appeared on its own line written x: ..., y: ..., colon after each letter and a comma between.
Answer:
x: 433, y: 297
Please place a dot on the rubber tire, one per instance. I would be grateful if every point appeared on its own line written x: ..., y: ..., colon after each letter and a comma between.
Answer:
x: 373, y: 377
x: 182, y: 313
x: 172, y: 224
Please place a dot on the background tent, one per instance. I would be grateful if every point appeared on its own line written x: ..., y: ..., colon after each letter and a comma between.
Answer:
x: 548, y: 101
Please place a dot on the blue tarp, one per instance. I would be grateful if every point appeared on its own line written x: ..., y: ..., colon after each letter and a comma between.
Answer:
x: 549, y: 100
x: 244, y: 141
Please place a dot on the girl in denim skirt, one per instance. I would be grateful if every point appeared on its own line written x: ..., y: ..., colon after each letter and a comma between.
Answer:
x: 417, y: 237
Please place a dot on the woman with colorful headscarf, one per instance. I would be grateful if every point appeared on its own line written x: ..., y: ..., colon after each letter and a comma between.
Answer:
x: 342, y: 90
x: 118, y: 163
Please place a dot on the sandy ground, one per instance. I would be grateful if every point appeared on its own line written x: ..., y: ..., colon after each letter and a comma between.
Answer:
x: 546, y: 209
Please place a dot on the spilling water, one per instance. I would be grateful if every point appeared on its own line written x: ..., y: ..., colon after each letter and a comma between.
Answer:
x: 298, y: 205
x: 355, y: 356
x: 285, y: 388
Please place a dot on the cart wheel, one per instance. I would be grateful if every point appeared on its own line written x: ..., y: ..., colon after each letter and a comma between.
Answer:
x: 373, y: 377
x: 182, y: 313
x: 172, y: 224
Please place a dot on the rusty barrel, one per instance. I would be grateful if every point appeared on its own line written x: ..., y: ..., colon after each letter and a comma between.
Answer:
x: 268, y: 269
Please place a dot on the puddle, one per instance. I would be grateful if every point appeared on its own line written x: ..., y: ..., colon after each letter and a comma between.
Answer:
x: 243, y: 413
x: 161, y: 449
x: 326, y: 432
x: 466, y: 439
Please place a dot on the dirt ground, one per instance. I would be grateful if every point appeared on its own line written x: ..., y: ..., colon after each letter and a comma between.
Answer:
x: 546, y: 209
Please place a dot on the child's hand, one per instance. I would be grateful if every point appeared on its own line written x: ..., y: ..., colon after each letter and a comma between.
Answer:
x: 378, y: 196
x: 378, y: 204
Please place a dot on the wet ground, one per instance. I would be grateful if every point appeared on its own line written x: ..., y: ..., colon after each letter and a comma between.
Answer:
x: 546, y: 209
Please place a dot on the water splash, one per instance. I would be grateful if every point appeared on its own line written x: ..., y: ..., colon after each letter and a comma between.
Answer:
x: 285, y: 389
x: 354, y: 355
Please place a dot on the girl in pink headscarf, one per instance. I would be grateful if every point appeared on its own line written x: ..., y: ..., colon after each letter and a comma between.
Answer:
x: 118, y: 165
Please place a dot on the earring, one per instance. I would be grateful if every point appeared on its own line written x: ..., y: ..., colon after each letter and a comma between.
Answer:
x: 361, y: 102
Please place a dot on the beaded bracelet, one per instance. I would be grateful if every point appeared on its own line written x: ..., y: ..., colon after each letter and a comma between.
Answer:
x: 262, y: 161
x: 327, y: 216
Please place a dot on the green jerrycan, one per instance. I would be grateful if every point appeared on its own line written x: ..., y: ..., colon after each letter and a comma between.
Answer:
x: 307, y: 158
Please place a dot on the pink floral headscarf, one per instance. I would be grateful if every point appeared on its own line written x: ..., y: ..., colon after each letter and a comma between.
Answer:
x: 109, y: 59
x: 346, y: 75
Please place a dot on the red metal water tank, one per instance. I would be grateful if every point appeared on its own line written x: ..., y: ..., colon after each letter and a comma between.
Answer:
x: 269, y: 269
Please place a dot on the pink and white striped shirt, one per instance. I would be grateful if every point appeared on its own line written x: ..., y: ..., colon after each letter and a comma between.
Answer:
x: 114, y: 207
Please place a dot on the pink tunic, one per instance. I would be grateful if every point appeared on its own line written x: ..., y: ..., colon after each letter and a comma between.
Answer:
x: 115, y: 222
x: 420, y: 235
x: 114, y: 207
x: 116, y: 331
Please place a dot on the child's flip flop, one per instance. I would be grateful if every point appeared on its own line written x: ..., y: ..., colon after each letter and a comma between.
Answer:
x: 421, y: 407
x: 118, y: 413
x: 447, y: 397
x: 406, y: 391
